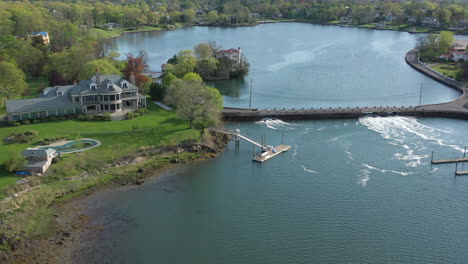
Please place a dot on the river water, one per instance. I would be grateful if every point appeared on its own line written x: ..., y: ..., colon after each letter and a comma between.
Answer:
x: 349, y: 191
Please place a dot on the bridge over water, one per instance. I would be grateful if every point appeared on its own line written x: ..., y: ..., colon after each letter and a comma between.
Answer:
x: 454, y: 109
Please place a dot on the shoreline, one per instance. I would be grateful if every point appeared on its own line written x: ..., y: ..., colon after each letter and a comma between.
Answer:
x: 68, y: 217
x: 79, y: 224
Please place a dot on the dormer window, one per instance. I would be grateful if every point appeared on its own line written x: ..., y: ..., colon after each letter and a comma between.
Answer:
x: 92, y: 86
x: 59, y: 93
x: 124, y: 84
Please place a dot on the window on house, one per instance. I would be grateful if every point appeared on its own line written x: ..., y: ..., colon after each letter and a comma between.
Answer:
x: 106, y: 98
x: 124, y: 85
x: 112, y: 97
x: 93, y: 87
x: 77, y: 99
x: 59, y: 93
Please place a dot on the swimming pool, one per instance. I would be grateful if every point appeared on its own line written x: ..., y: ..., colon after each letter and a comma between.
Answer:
x: 75, y: 146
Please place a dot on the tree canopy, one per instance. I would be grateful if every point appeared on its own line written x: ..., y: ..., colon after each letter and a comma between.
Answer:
x: 195, y: 101
x: 12, y: 81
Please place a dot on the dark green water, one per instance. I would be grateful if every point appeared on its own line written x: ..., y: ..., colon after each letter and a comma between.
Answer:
x: 349, y: 191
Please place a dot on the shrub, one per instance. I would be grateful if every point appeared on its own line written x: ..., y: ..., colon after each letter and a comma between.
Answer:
x: 53, y: 118
x: 141, y: 111
x: 107, y: 117
x: 130, y: 115
x: 31, y: 133
x: 26, y: 122
x: 15, y: 123
x: 136, y: 115
x: 89, y: 118
x: 15, y: 162
x: 62, y: 118
x: 36, y: 121
x: 81, y: 117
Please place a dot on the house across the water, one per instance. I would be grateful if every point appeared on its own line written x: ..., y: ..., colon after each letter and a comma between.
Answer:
x: 103, y: 93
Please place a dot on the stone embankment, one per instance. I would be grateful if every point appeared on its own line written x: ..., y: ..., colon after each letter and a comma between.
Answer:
x: 453, y: 109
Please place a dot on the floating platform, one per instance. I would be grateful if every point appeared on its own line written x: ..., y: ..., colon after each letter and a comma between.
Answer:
x: 271, y: 153
x: 449, y: 161
x: 460, y: 173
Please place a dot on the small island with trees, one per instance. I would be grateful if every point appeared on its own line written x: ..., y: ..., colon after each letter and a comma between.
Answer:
x: 210, y: 61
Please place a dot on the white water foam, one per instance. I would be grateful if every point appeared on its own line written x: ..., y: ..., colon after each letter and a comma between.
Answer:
x: 384, y: 171
x: 364, y: 177
x: 276, y: 124
x: 308, y: 170
x: 295, y: 152
x: 348, y: 153
x: 409, y: 134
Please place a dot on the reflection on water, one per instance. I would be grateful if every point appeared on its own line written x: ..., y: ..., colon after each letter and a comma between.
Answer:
x: 304, y: 65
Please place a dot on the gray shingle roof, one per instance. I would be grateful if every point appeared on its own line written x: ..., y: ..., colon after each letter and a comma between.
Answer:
x: 48, y: 101
x: 38, y: 153
x: 52, y: 100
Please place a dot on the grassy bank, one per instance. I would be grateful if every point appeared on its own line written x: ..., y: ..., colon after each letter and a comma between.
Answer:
x: 131, y: 150
x: 448, y: 69
x: 158, y: 127
x: 103, y: 34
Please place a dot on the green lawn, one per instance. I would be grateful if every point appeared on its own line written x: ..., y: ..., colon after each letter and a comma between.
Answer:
x: 119, y: 138
x: 450, y: 70
x: 100, y: 33
x: 35, y: 86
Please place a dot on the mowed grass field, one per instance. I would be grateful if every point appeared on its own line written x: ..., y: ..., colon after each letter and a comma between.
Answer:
x: 156, y: 128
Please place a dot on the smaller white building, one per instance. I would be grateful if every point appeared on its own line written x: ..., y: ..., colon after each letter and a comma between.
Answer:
x: 459, y: 49
x: 38, y: 160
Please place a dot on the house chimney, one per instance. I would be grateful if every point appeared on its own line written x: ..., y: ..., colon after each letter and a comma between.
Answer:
x: 98, y: 77
x: 132, y: 78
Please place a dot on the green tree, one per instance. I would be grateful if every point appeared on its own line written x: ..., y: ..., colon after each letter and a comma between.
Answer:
x: 203, y: 51
x: 105, y: 66
x: 156, y: 91
x: 168, y: 79
x: 189, y: 15
x: 15, y: 162
x: 194, y: 101
x: 212, y: 17
x: 186, y: 63
x: 12, y: 81
x: 445, y: 41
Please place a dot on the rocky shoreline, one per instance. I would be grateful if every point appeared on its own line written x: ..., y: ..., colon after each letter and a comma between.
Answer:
x: 72, y: 216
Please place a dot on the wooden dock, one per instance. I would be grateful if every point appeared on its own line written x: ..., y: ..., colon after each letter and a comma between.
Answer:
x: 267, y: 153
x: 271, y: 153
x: 460, y: 173
x: 449, y: 161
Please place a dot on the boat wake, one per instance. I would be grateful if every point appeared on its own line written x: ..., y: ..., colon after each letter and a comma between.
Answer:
x: 386, y: 171
x: 308, y: 170
x: 364, y: 177
x: 409, y: 134
x: 276, y: 124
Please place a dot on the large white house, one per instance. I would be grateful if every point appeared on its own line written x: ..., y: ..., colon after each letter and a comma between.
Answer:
x: 103, y: 93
